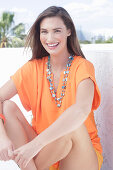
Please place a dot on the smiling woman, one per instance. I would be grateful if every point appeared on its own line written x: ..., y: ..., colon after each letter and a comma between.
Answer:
x: 58, y: 84
x: 54, y: 39
x: 62, y: 24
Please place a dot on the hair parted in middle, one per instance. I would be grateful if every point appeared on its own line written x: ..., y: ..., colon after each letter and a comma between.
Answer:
x: 33, y: 37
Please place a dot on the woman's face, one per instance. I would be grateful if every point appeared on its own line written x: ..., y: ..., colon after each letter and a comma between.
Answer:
x: 53, y: 35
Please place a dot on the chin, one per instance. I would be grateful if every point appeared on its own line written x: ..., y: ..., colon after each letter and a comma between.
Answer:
x: 53, y: 52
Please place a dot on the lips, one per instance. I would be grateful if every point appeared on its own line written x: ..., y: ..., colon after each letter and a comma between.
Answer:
x: 52, y: 46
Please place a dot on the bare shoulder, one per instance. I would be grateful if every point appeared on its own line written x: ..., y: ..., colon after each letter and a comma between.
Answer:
x: 8, y: 90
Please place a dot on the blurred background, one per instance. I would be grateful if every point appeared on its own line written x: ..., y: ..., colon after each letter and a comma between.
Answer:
x: 93, y: 21
x: 92, y: 18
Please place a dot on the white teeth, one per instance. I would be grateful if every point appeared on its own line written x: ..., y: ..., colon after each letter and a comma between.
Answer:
x: 52, y: 45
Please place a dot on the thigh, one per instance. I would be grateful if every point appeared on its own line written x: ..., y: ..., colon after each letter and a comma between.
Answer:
x: 82, y: 155
x: 31, y: 134
x: 14, y: 110
x: 53, y: 152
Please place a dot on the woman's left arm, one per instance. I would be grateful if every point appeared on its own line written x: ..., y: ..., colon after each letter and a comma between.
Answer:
x: 71, y: 118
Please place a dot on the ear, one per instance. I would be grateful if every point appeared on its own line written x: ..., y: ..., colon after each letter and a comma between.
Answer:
x: 68, y: 32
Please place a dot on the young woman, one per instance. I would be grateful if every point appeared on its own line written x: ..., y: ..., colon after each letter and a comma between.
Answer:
x: 58, y: 84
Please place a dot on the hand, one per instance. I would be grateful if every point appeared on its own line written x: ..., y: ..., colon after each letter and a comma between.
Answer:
x: 6, y: 149
x: 25, y: 153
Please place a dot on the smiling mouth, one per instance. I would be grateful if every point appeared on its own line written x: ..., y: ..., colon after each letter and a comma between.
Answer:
x: 52, y: 45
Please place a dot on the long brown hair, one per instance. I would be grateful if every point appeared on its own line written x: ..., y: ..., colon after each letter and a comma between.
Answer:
x: 33, y: 37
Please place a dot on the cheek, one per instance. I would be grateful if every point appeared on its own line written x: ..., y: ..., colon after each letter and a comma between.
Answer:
x: 42, y: 38
x: 62, y: 37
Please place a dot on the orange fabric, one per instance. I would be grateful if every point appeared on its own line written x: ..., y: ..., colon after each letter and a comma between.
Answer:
x: 33, y: 90
x: 100, y: 158
x: 2, y: 117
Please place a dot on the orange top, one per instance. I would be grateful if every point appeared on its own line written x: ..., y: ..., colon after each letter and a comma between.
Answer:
x: 33, y: 90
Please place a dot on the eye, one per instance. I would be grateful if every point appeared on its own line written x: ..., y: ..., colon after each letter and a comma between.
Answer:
x: 43, y: 31
x: 57, y: 31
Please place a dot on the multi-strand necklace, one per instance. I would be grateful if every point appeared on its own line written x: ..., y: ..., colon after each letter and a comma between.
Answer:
x: 58, y: 101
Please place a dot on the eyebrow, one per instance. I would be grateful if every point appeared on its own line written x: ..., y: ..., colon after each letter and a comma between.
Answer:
x: 53, y: 29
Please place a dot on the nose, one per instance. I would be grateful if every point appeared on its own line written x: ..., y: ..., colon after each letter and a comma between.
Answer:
x: 50, y: 37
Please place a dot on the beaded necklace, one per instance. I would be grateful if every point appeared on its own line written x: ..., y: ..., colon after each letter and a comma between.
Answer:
x: 58, y: 101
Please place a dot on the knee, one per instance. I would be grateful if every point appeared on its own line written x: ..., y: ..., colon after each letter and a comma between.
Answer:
x: 66, y: 143
x: 60, y: 147
x: 8, y: 107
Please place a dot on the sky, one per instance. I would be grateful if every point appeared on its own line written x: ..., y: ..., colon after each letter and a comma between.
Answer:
x: 92, y: 16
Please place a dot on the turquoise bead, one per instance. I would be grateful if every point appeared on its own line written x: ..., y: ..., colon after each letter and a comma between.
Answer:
x: 53, y: 95
x: 50, y: 80
x: 63, y: 87
x: 68, y: 65
x: 67, y: 72
x: 48, y: 77
x: 51, y: 84
x: 65, y: 79
x: 49, y: 72
x: 51, y: 88
x: 58, y: 105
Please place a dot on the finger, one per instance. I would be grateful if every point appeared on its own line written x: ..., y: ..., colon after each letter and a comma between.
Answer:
x: 17, y: 158
x: 25, y: 163
x: 6, y: 156
x: 2, y: 157
x: 15, y: 152
x: 11, y: 148
x: 20, y: 163
x: 10, y: 153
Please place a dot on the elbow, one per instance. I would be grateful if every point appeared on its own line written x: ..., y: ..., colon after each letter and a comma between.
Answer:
x: 1, y: 99
x: 86, y: 109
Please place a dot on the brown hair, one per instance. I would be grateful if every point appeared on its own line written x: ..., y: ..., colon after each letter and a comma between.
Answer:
x: 33, y: 37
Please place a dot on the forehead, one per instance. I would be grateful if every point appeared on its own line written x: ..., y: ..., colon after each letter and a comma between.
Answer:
x: 52, y: 22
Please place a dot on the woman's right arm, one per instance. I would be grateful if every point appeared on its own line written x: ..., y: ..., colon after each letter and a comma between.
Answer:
x: 7, y: 91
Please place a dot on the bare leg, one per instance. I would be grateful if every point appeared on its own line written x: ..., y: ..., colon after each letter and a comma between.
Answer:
x: 15, y: 129
x: 82, y: 155
x: 74, y: 151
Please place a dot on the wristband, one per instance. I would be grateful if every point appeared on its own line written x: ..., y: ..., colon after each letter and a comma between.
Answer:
x: 2, y: 117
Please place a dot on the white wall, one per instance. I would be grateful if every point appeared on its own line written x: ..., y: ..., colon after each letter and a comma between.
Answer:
x: 102, y: 58
x: 10, y: 61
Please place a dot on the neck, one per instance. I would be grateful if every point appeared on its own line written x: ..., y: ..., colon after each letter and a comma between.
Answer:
x: 59, y: 62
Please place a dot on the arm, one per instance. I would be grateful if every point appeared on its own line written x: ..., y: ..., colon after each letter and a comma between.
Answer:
x: 7, y: 91
x: 72, y: 117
